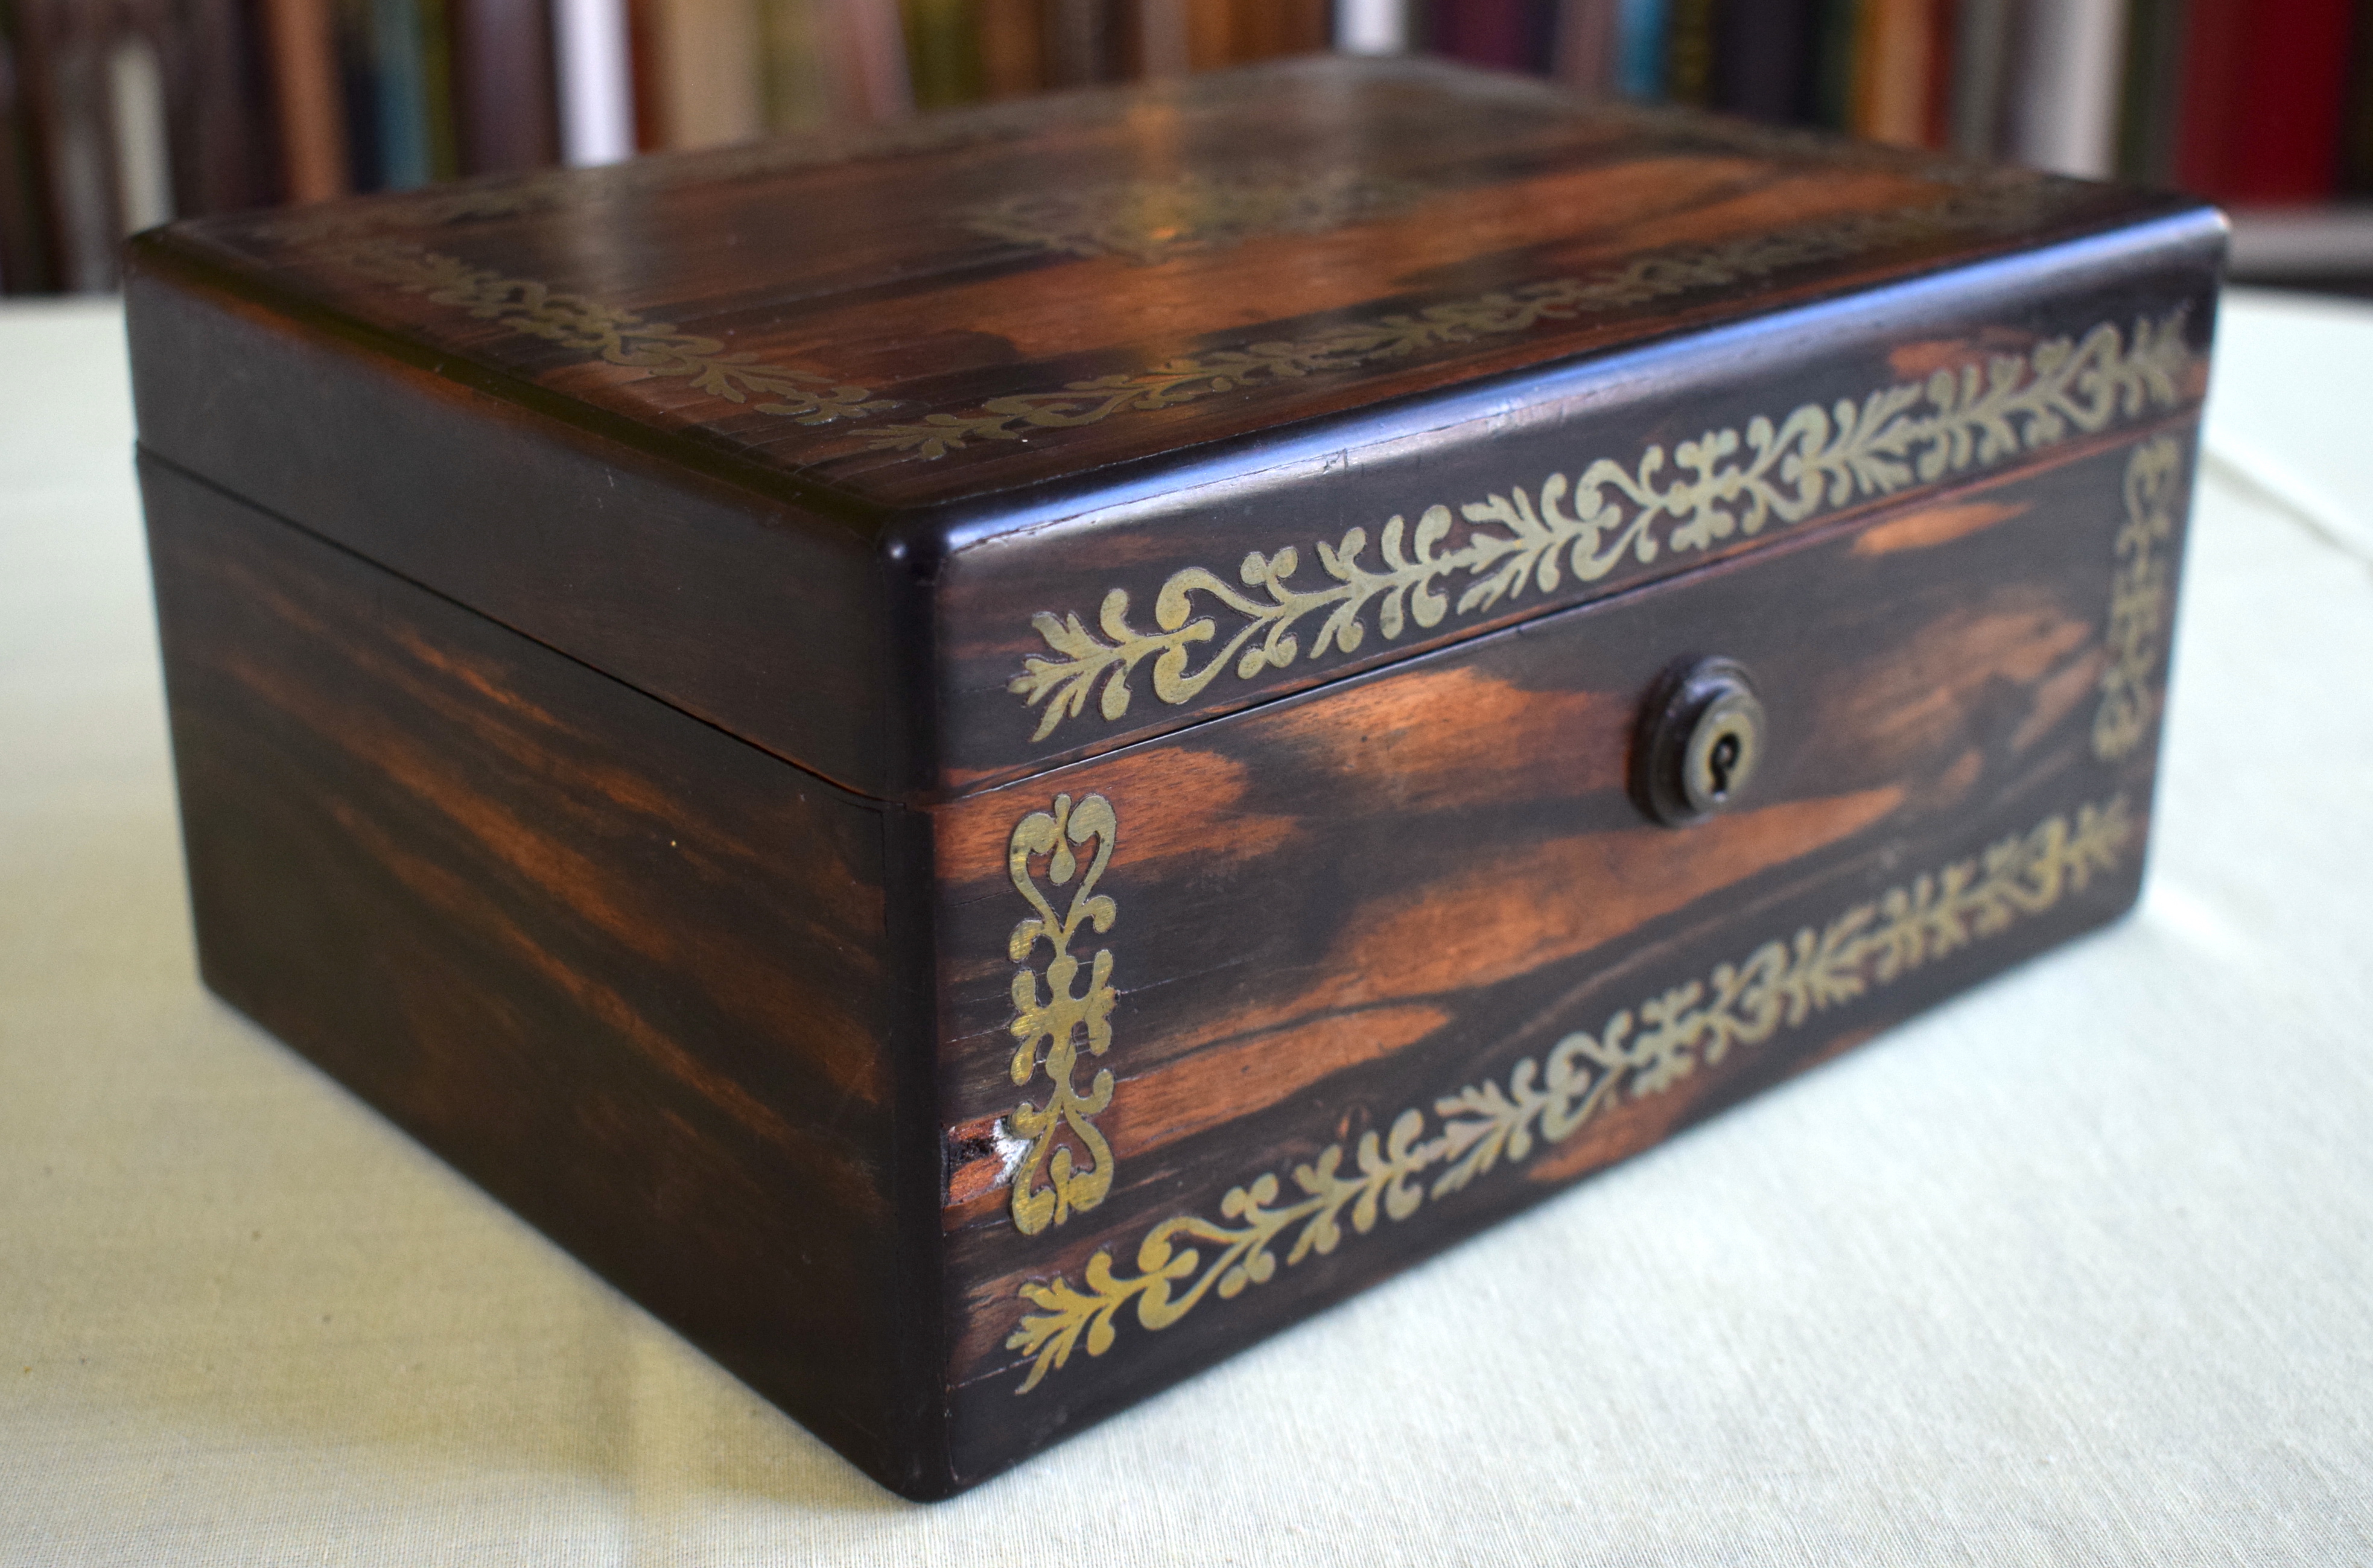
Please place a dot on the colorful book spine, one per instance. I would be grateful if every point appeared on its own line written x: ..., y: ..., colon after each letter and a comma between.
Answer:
x: 1838, y: 34
x: 866, y: 45
x: 1265, y: 30
x: 136, y: 121
x: 1584, y: 52
x: 705, y: 72
x: 942, y: 51
x: 1372, y: 27
x: 595, y: 80
x: 1507, y: 34
x: 1012, y: 48
x: 1162, y: 47
x: 795, y: 87
x: 218, y: 104
x: 25, y: 261
x: 1211, y: 29
x: 1641, y: 49
x: 400, y: 95
x: 2148, y: 99
x: 1980, y: 75
x: 1895, y: 51
x: 358, y: 93
x: 1690, y: 51
x: 62, y: 58
x: 2064, y: 106
x: 2270, y: 90
x: 1763, y: 59
x: 300, y: 41
x: 506, y: 110
x: 441, y: 130
x: 2356, y: 119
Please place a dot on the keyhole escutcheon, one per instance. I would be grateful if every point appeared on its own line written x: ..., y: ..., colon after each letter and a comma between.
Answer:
x: 1700, y: 742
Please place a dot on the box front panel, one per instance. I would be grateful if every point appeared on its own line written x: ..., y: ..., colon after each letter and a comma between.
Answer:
x: 1246, y: 1018
x: 1219, y: 588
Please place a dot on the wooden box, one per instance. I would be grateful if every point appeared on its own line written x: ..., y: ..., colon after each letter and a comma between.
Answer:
x: 988, y: 759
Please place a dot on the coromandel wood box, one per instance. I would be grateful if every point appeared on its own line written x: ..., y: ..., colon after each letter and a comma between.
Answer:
x: 989, y: 759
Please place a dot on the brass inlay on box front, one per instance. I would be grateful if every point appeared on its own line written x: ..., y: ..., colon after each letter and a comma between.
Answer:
x: 1638, y: 1052
x: 1724, y: 484
x: 1050, y: 1028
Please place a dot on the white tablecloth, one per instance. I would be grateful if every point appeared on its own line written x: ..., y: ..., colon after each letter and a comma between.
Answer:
x: 2078, y: 1270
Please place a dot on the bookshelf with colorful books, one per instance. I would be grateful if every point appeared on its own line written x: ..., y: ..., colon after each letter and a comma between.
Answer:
x: 118, y: 113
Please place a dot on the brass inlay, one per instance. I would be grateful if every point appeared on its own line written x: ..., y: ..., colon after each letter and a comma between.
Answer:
x: 1725, y: 483
x: 619, y: 337
x: 2138, y: 598
x: 1639, y: 1053
x: 1211, y: 210
x: 1149, y: 221
x: 2006, y: 203
x: 1060, y: 1018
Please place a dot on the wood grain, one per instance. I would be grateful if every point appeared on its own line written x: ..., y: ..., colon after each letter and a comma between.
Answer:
x: 629, y: 974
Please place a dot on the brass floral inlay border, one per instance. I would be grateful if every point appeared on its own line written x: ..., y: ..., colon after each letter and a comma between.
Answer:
x: 2138, y: 598
x: 618, y: 336
x: 1063, y: 1017
x: 363, y: 238
x: 1725, y: 483
x: 1637, y: 1054
x: 2007, y: 201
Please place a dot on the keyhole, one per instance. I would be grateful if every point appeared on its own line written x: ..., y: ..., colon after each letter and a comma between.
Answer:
x: 1719, y: 761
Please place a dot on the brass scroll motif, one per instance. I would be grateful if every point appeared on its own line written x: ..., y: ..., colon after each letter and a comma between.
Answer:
x: 1058, y: 1020
x: 2138, y: 598
x: 619, y: 337
x: 1637, y: 1054
x: 1725, y: 483
x: 2004, y: 203
x: 1151, y: 221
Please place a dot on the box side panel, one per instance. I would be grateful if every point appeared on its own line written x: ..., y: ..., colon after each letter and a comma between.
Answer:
x: 1253, y: 574
x: 629, y: 974
x: 744, y: 610
x: 1315, y: 989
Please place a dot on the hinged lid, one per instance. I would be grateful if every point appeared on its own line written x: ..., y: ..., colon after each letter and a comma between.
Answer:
x: 935, y: 454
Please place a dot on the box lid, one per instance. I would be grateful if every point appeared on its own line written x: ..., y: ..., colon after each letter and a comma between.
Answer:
x: 973, y: 375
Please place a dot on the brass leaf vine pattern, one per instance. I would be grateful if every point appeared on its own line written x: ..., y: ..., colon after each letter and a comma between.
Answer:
x: 1723, y: 485
x: 1638, y: 1052
x: 2138, y: 598
x: 1063, y: 1017
x: 1628, y: 285
x: 1149, y: 221
x: 618, y: 336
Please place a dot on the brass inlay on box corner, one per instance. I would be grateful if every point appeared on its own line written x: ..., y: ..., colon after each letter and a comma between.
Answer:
x: 1638, y: 1052
x: 1048, y: 1028
x: 2139, y: 597
x: 1589, y: 521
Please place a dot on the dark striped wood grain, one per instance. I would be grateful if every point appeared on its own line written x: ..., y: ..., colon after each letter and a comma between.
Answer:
x: 630, y: 974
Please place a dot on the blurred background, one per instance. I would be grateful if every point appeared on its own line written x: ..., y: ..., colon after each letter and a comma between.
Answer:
x: 117, y: 114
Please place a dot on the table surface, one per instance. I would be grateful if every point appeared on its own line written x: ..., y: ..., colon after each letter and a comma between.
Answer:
x: 2078, y: 1269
